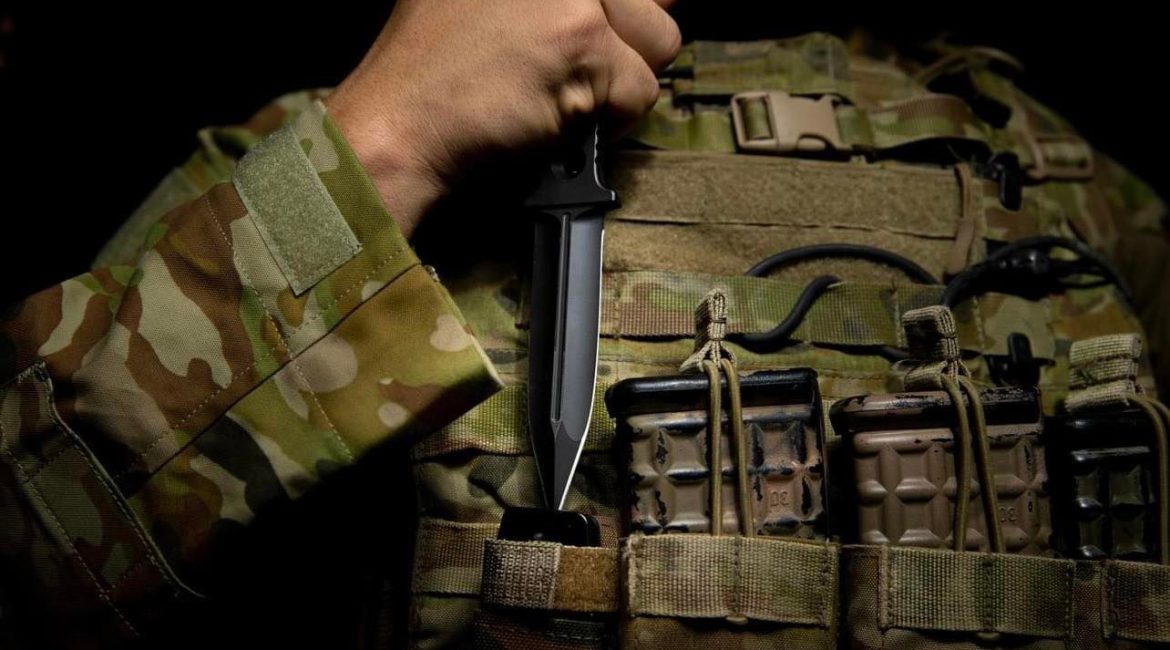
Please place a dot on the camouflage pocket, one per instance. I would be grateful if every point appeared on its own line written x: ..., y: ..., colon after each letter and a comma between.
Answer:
x: 94, y: 572
x: 919, y: 598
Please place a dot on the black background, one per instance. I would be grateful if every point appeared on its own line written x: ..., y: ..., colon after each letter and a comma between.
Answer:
x: 99, y: 103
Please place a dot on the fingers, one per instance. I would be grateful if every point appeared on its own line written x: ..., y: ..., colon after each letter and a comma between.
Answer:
x: 645, y: 26
x: 631, y: 86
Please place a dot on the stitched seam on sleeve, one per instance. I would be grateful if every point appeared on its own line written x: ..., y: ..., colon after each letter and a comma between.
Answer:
x: 271, y: 353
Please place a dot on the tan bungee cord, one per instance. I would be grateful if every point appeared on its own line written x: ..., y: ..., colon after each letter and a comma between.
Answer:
x: 985, y: 467
x: 1160, y: 417
x: 710, y: 356
x: 962, y: 449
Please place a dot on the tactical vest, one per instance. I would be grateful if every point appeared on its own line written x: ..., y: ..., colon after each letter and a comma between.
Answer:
x: 758, y: 148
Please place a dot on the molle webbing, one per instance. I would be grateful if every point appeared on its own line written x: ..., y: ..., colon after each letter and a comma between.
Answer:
x: 893, y: 594
x: 701, y: 576
x: 975, y: 592
x: 549, y: 576
x: 650, y: 304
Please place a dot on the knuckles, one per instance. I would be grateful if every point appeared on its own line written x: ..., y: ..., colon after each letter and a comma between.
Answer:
x: 582, y: 27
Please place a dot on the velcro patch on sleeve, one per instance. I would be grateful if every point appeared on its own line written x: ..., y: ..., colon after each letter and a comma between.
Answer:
x: 301, y: 225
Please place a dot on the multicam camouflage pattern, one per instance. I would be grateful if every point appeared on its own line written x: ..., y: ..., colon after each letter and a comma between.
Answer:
x: 672, y: 242
x: 204, y: 391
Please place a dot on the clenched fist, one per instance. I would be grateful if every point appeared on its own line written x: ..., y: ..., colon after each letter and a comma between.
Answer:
x: 451, y: 83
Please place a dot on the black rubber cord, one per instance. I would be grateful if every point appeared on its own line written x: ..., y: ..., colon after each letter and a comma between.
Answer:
x: 783, y: 332
x: 851, y: 251
x: 1024, y: 266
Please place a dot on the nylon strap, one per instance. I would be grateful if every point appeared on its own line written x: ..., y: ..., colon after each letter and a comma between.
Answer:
x: 701, y: 576
x: 928, y: 589
x: 549, y: 576
x: 695, y: 112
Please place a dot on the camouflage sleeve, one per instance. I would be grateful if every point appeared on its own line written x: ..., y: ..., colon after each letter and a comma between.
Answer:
x: 269, y: 332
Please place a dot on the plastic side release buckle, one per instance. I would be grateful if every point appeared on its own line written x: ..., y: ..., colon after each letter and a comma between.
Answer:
x: 778, y: 123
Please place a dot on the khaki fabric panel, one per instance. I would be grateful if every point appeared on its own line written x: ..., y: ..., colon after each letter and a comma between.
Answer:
x: 684, y: 187
x: 701, y: 576
x: 865, y: 584
x: 731, y: 249
x: 956, y: 592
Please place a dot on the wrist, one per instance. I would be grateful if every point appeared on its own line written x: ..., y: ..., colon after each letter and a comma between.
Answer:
x: 389, y: 152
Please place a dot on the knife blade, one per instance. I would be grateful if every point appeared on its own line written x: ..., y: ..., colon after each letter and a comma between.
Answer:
x: 570, y: 202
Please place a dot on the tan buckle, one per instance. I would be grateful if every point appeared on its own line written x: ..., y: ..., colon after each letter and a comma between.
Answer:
x: 776, y: 122
x: 1046, y: 167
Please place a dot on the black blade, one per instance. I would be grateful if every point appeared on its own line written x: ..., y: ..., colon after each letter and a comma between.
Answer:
x: 562, y: 365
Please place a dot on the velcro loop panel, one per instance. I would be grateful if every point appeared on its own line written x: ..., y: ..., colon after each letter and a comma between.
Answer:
x: 549, y: 576
x: 449, y: 556
x: 701, y: 576
x: 1138, y: 596
x: 927, y: 589
x: 298, y: 220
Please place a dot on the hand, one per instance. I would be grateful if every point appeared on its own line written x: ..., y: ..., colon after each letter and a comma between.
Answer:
x: 451, y: 83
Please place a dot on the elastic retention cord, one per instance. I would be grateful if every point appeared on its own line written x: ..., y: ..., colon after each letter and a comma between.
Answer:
x: 848, y: 251
x: 1160, y: 417
x: 962, y: 449
x: 715, y: 445
x: 747, y: 525
x: 984, y: 465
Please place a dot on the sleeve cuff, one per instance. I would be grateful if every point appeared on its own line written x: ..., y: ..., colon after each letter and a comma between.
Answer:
x: 376, y: 348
